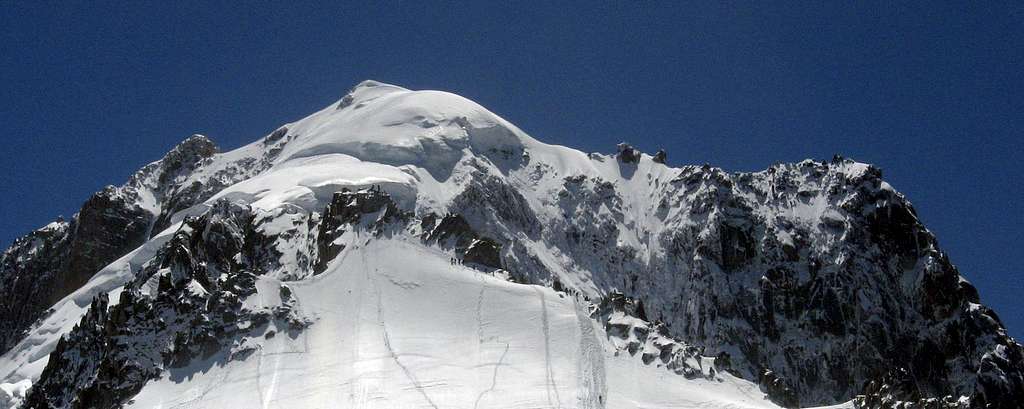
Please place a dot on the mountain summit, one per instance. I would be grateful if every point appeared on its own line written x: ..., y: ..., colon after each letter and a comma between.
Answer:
x: 412, y: 249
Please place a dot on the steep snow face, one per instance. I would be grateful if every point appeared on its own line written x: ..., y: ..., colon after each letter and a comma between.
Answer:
x: 310, y: 267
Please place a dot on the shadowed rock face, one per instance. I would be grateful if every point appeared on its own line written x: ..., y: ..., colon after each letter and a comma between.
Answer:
x: 108, y: 226
x: 815, y: 280
x: 46, y: 265
x: 660, y: 157
x: 347, y: 208
x: 32, y: 260
x: 181, y: 161
x: 453, y: 232
x: 200, y: 275
x: 485, y: 252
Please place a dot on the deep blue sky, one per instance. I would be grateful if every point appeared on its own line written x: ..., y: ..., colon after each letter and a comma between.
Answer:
x: 930, y: 93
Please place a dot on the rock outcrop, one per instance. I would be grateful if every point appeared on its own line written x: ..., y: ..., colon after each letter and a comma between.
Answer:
x: 184, y: 306
x: 45, y: 266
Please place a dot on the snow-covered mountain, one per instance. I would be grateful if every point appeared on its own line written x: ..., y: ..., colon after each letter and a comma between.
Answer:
x: 412, y: 249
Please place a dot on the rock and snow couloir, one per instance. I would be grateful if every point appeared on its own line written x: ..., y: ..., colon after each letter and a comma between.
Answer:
x: 412, y: 249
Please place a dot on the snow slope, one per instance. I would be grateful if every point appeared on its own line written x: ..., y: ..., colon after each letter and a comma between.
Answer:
x: 398, y: 326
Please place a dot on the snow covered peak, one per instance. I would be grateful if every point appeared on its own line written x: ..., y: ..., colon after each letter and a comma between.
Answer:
x: 411, y: 247
x: 395, y: 126
x: 367, y: 89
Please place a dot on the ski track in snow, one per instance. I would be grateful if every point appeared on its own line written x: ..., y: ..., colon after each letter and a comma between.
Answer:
x: 356, y: 389
x: 479, y: 308
x: 591, y: 382
x: 480, y: 341
x: 550, y: 381
x: 387, y: 338
x: 494, y: 377
x: 268, y: 397
x: 196, y: 402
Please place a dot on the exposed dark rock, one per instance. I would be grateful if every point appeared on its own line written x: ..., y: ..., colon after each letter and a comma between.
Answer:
x: 737, y: 247
x: 660, y: 156
x: 1000, y: 382
x: 864, y: 282
x: 627, y: 331
x: 485, y: 252
x: 453, y: 231
x: 109, y: 225
x: 26, y: 269
x: 179, y: 162
x: 111, y: 354
x: 777, y: 390
x: 627, y: 154
x: 348, y: 208
x: 490, y: 202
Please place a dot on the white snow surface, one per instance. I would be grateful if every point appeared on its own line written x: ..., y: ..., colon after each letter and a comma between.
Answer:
x: 11, y: 394
x: 396, y: 324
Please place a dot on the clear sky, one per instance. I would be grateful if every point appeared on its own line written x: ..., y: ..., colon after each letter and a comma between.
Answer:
x: 932, y: 94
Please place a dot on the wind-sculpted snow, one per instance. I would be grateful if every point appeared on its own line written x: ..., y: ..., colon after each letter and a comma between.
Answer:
x: 412, y: 249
